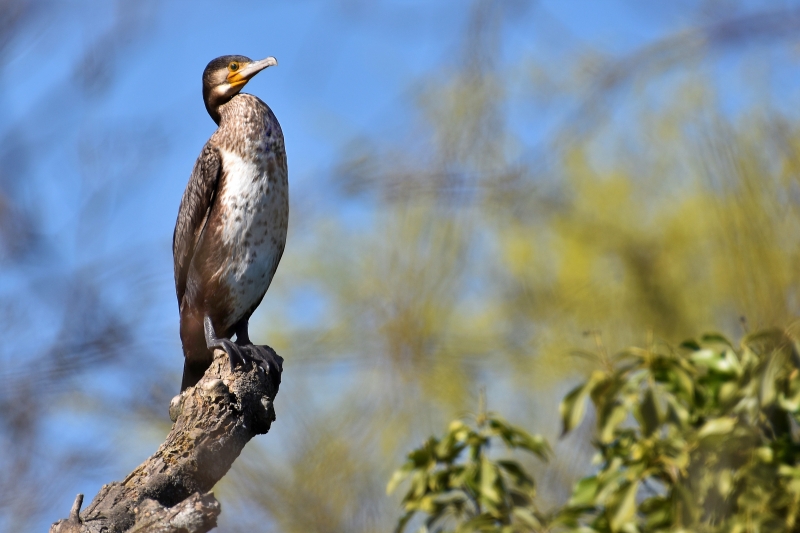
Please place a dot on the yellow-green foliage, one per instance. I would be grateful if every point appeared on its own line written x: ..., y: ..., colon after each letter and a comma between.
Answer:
x: 454, y: 482
x: 700, y: 437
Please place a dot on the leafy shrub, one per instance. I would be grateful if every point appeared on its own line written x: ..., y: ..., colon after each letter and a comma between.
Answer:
x: 453, y: 481
x: 701, y: 437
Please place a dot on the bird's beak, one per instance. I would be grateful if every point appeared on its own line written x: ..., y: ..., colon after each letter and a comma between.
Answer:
x: 243, y: 75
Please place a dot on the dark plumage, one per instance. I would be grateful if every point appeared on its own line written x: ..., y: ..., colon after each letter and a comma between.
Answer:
x: 232, y: 222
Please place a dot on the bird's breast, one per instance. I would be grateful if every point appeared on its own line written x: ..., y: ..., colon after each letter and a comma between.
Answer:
x: 254, y: 209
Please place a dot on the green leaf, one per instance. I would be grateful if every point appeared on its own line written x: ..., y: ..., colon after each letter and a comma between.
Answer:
x: 419, y: 486
x: 657, y: 513
x: 767, y: 391
x: 573, y: 405
x: 712, y: 337
x: 572, y: 408
x: 648, y: 413
x: 765, y: 454
x: 518, y: 474
x: 488, y: 481
x: 723, y: 362
x: 471, y: 477
x: 677, y: 413
x: 535, y: 444
x: 728, y: 392
x: 422, y: 456
x: 686, y: 502
x: 610, y: 419
x: 683, y: 381
x: 526, y: 517
x: 704, y: 357
x: 398, y: 476
x: 690, y: 344
x: 456, y: 427
x: 627, y: 507
x: 584, y: 492
x: 520, y: 498
x: 515, y: 437
x: 502, y: 428
x: 610, y: 479
x: 790, y: 403
x: 716, y: 426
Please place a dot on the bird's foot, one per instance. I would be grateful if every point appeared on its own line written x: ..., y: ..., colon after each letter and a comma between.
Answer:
x: 235, y: 352
x: 265, y: 358
x: 238, y: 354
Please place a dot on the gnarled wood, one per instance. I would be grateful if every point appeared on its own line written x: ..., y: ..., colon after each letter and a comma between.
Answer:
x: 170, y: 490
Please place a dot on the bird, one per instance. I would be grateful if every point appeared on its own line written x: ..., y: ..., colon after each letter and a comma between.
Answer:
x: 230, y: 233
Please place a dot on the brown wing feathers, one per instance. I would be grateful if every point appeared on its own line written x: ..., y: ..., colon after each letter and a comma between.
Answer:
x: 193, y: 214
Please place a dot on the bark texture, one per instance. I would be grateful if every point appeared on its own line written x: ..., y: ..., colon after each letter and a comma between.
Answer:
x: 169, y: 492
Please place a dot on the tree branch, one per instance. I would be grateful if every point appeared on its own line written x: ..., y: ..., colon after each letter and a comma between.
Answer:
x: 169, y: 492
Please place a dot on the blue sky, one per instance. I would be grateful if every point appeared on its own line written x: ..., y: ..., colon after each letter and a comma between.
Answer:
x: 347, y: 69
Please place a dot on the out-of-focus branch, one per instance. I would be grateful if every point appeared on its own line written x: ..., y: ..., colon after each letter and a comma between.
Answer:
x: 403, y: 177
x: 169, y: 491
x: 663, y: 54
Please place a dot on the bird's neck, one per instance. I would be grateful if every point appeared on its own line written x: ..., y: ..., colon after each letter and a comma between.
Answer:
x: 244, y: 124
x: 214, y: 102
x: 242, y: 109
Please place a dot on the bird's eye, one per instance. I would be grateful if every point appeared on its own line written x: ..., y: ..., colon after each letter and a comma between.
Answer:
x: 234, y: 66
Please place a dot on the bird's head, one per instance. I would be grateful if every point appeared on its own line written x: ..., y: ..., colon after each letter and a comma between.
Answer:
x: 225, y: 76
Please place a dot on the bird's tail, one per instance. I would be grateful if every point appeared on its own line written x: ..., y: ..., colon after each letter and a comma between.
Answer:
x: 192, y: 373
x: 197, y: 356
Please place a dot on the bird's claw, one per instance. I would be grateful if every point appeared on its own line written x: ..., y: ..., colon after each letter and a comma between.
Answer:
x: 264, y: 358
x: 235, y: 353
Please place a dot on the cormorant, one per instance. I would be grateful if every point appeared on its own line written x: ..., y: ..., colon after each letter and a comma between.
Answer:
x: 232, y: 222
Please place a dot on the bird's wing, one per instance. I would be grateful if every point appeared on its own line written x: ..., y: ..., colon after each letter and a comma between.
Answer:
x: 193, y: 213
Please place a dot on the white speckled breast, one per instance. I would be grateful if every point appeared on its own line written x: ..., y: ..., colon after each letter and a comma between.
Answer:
x: 254, y: 215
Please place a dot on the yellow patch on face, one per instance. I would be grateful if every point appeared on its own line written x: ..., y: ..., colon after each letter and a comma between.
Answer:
x: 234, y: 74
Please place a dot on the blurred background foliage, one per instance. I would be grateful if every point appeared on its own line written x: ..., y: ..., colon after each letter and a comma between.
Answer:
x: 696, y: 437
x: 556, y: 178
